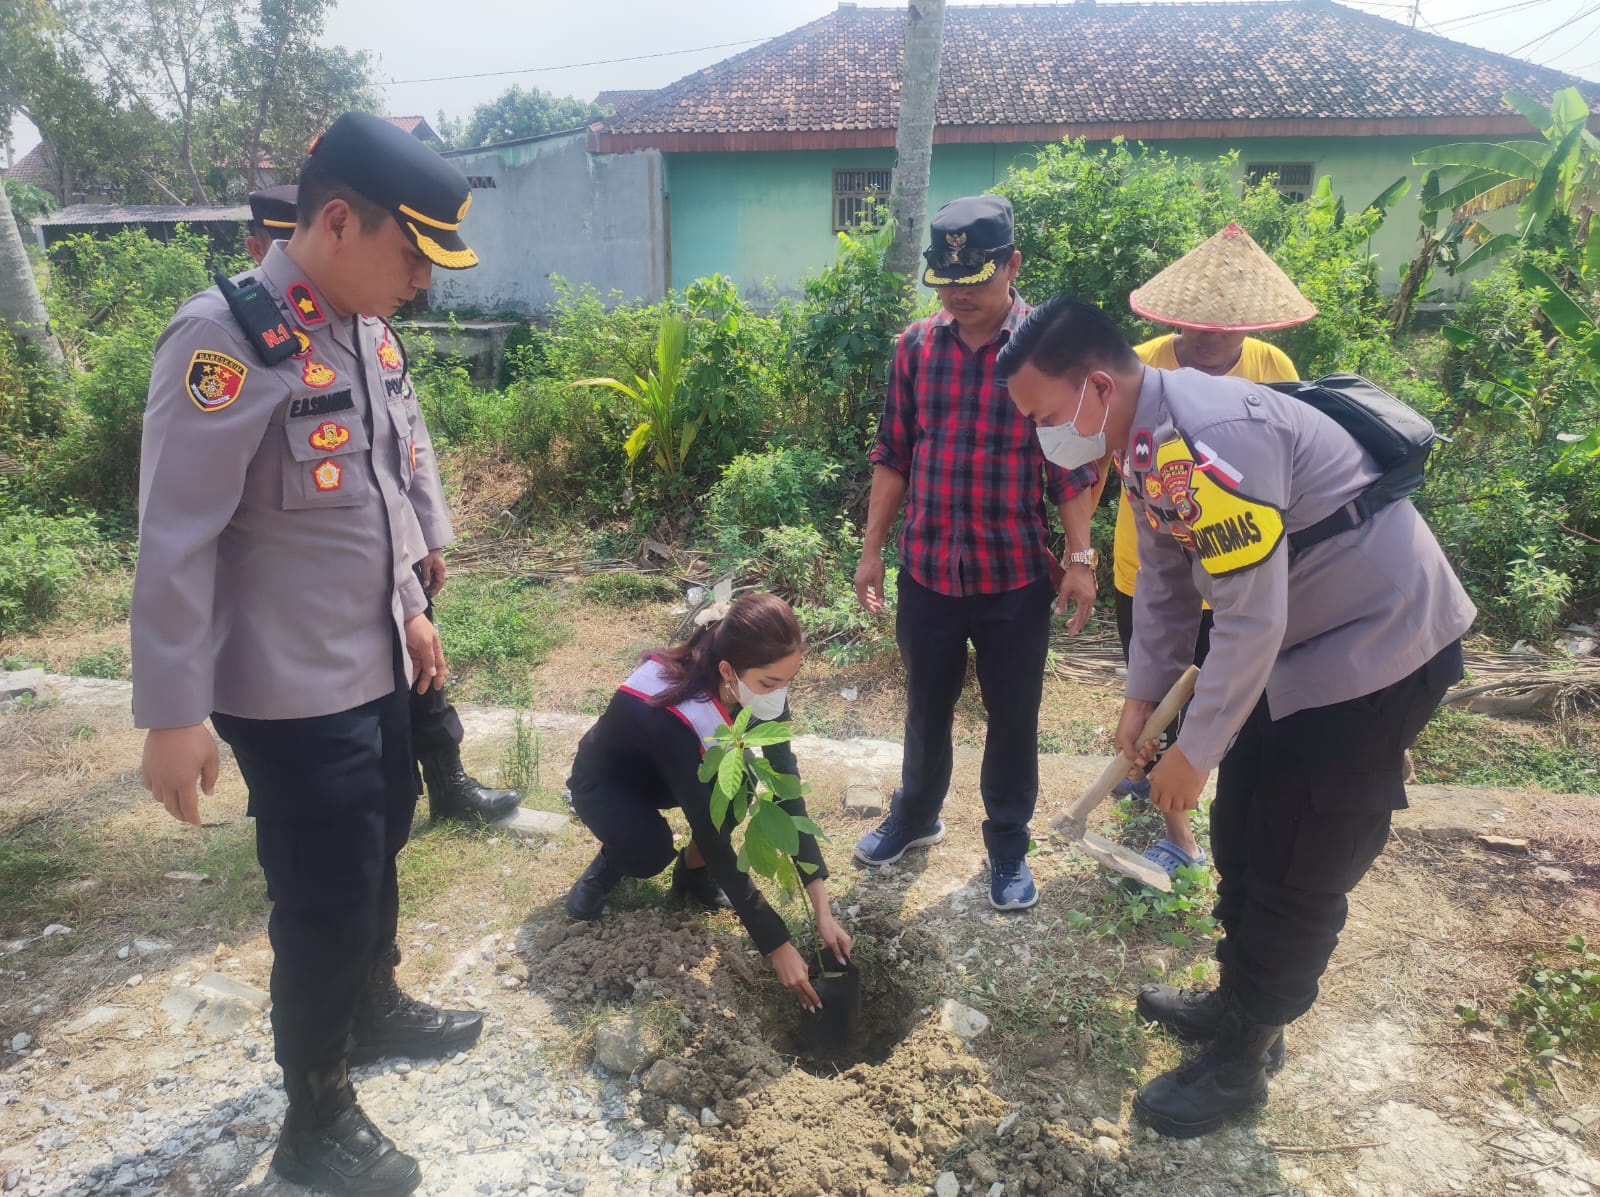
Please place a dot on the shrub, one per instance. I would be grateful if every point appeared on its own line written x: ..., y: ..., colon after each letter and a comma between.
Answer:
x: 41, y: 557
x: 779, y: 487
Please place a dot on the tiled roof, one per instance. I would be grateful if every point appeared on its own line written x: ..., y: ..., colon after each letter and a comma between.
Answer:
x: 416, y: 125
x: 622, y: 101
x: 1095, y: 66
x: 35, y: 167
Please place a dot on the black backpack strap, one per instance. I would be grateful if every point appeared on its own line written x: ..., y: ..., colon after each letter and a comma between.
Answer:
x: 256, y: 312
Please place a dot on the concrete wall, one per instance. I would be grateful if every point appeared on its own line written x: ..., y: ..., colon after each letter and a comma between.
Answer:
x: 556, y: 209
x: 766, y: 218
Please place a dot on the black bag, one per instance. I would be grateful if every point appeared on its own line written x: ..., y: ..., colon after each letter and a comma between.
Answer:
x: 1396, y: 435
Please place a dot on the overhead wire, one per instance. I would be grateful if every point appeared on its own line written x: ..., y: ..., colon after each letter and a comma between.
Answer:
x: 566, y: 66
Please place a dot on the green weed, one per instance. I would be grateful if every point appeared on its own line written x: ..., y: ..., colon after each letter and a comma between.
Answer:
x: 627, y: 589
x: 109, y: 662
x: 495, y: 631
x: 1556, y: 1009
x: 519, y: 760
x: 1460, y: 748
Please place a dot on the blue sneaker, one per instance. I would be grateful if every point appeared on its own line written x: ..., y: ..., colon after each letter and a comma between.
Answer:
x: 889, y: 840
x: 1011, y: 884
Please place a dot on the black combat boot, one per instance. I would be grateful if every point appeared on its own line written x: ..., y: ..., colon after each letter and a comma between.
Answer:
x: 587, y: 898
x: 452, y: 794
x: 1193, y: 1014
x: 389, y: 1023
x: 699, y: 885
x: 1228, y: 1077
x: 328, y: 1143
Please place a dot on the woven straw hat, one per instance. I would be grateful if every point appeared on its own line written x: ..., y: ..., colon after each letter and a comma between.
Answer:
x: 1225, y: 284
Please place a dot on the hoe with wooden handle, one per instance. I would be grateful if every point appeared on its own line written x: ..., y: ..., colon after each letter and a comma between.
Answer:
x: 1073, y: 824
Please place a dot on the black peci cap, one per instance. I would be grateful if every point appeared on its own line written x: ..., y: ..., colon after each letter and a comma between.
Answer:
x: 969, y: 239
x: 274, y: 209
x: 385, y: 164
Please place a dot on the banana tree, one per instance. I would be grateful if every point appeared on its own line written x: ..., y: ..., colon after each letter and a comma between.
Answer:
x: 1560, y: 173
x: 1575, y: 325
x: 665, y: 427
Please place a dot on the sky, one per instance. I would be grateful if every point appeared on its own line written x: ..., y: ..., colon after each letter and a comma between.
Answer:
x: 424, y: 57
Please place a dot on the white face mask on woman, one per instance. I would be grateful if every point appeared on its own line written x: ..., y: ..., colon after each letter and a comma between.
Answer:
x: 762, y: 706
x: 1065, y: 446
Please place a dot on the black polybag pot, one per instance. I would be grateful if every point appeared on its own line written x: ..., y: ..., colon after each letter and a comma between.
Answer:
x: 838, y: 986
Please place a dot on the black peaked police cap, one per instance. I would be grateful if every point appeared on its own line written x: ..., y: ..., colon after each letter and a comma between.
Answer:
x: 274, y: 209
x: 385, y: 164
x: 969, y: 240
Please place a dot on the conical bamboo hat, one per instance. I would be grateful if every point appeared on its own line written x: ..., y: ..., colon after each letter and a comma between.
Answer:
x: 1225, y: 284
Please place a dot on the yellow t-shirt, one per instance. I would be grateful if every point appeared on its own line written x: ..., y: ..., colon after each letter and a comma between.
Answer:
x: 1258, y: 361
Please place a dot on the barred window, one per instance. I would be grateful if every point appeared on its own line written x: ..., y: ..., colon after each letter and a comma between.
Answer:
x: 1291, y: 179
x: 854, y: 194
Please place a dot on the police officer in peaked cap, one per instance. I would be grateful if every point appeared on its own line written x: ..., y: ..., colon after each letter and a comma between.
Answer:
x: 275, y: 595
x: 436, y: 731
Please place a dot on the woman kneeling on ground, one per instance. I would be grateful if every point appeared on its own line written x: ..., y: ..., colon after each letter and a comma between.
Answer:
x: 643, y: 757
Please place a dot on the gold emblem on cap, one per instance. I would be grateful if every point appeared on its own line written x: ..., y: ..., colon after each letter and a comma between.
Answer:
x: 956, y: 241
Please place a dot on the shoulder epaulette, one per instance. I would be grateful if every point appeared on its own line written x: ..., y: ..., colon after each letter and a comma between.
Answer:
x: 257, y: 314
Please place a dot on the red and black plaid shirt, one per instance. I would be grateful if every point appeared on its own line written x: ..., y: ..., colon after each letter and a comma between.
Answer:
x: 976, y: 521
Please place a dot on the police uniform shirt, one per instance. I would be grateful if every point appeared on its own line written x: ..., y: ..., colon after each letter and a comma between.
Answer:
x: 276, y: 534
x: 426, y: 491
x: 1220, y: 471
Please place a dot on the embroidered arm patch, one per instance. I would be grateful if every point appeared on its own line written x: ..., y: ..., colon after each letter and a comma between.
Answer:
x: 214, y: 379
x: 1229, y: 530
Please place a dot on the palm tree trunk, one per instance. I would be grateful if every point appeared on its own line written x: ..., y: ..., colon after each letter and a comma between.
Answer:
x: 21, y: 308
x: 913, y: 138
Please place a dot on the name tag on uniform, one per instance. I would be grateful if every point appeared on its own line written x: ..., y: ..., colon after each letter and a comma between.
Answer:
x: 321, y: 405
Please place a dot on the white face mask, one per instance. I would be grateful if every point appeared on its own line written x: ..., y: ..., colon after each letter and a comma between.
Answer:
x: 762, y: 706
x: 1065, y: 446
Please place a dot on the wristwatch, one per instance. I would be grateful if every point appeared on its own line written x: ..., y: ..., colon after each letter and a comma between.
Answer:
x: 1084, y: 557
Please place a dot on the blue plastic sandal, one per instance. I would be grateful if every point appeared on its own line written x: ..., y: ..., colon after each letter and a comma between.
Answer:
x: 1172, y: 858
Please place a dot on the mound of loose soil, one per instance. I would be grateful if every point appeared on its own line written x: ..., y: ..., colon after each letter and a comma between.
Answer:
x: 787, y: 1126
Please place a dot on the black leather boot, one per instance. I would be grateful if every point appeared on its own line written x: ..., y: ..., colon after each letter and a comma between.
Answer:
x: 1228, y: 1077
x: 1193, y: 1014
x: 329, y: 1144
x: 699, y: 885
x: 452, y: 794
x: 587, y: 898
x: 389, y: 1023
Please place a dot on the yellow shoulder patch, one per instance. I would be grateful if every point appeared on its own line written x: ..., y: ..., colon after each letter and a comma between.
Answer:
x: 214, y: 379
x: 1227, y: 528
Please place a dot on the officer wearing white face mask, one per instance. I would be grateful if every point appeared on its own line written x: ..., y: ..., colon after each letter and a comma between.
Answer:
x: 643, y: 757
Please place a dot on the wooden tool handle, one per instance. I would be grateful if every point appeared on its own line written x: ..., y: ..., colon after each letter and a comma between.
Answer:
x: 1182, y: 690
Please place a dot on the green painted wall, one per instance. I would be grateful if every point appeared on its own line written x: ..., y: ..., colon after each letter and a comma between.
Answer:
x: 765, y: 218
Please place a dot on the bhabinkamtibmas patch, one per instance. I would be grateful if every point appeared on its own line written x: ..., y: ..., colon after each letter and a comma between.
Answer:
x: 214, y: 379
x: 1228, y: 529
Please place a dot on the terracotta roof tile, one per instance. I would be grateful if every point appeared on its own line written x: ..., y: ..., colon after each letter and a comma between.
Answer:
x: 36, y: 167
x: 1092, y: 64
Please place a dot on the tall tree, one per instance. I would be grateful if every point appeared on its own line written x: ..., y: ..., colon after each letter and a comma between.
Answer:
x: 913, y: 136
x: 525, y: 113
x: 21, y: 308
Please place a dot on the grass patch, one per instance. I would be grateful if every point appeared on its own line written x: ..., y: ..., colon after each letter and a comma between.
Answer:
x: 55, y: 870
x: 110, y: 662
x: 495, y: 632
x: 492, y: 874
x: 1460, y: 748
x: 627, y: 589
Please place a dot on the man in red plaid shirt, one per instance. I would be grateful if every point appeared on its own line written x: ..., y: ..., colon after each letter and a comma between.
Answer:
x: 975, y: 562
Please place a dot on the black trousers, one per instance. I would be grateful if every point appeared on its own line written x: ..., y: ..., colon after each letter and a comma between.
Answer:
x: 633, y: 833
x: 1010, y: 634
x: 435, y: 726
x: 333, y: 799
x: 1302, y: 810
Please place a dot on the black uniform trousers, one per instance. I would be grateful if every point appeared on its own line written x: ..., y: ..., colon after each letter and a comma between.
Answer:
x: 332, y: 797
x: 634, y: 835
x: 1302, y: 810
x: 1010, y: 635
x: 435, y: 726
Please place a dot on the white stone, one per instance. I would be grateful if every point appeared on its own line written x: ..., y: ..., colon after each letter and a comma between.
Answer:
x: 997, y: 1189
x: 187, y: 878
x: 708, y: 1117
x: 962, y: 1021
x: 146, y: 946
x: 21, y: 1041
x: 624, y: 1045
x: 56, y: 929
x: 946, y: 1185
x: 529, y: 823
